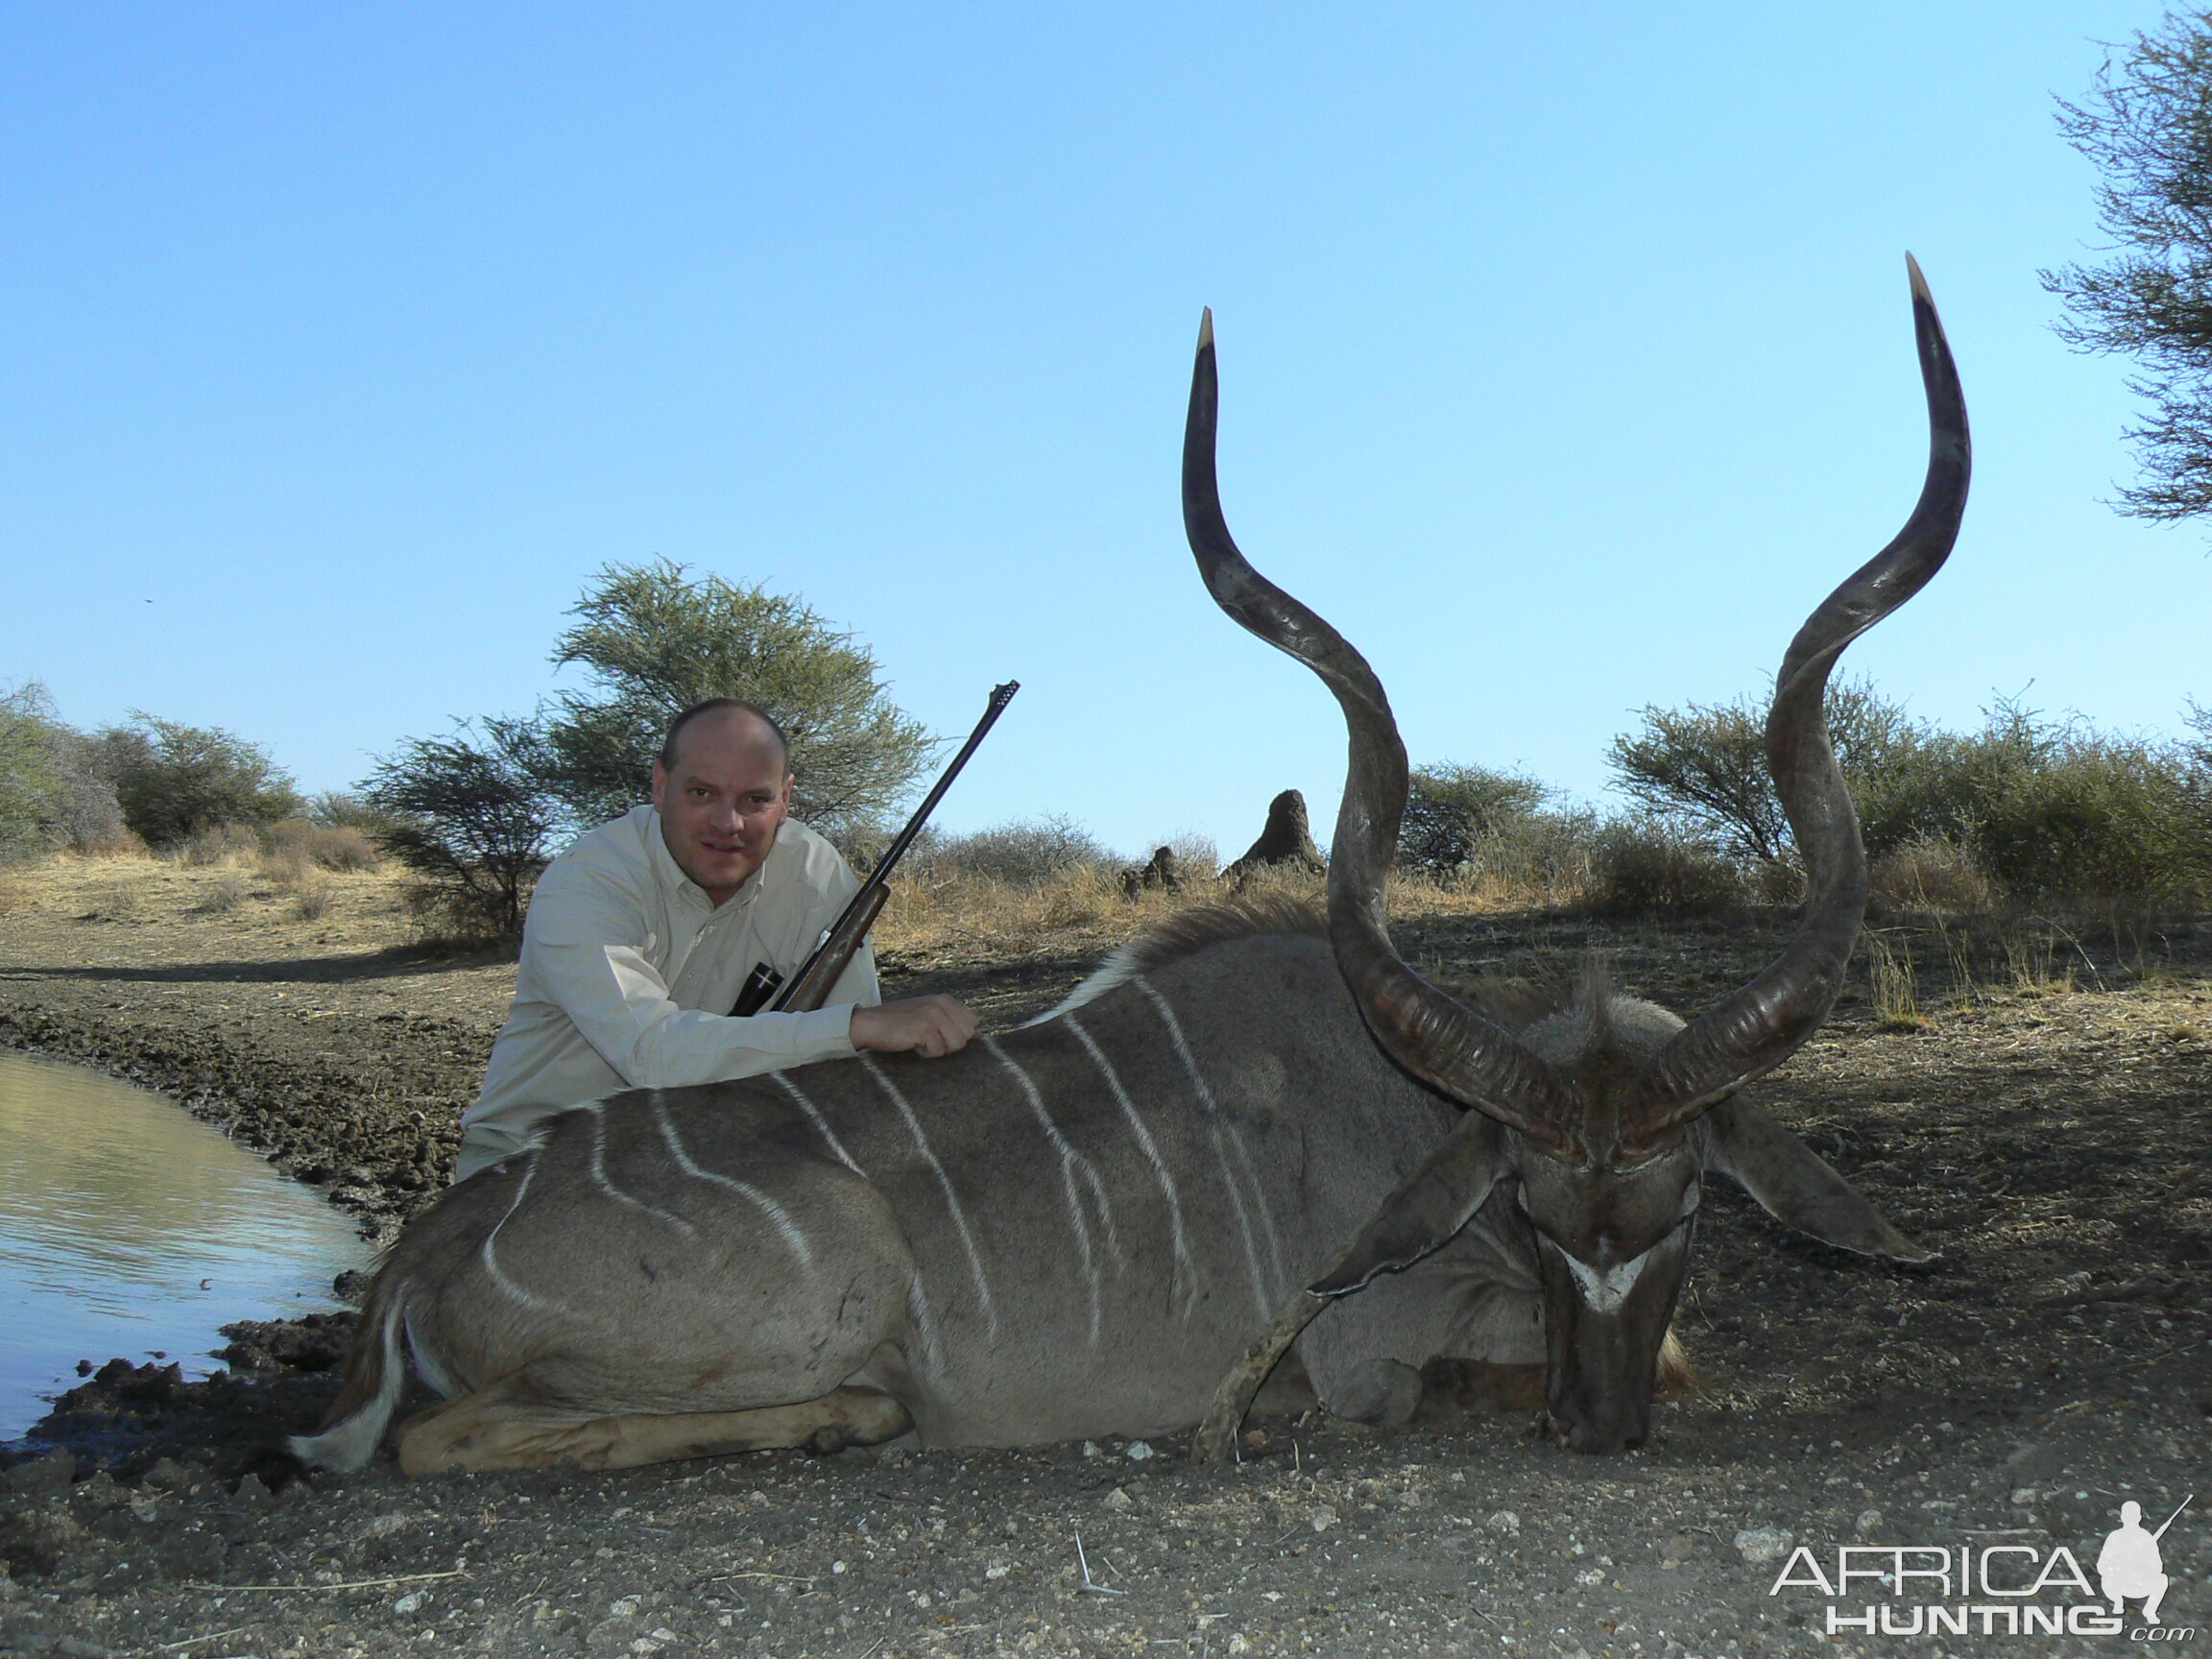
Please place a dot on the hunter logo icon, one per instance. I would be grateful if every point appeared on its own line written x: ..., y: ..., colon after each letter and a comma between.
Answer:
x: 2129, y: 1565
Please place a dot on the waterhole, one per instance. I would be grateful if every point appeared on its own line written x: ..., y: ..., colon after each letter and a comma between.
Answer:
x: 129, y: 1227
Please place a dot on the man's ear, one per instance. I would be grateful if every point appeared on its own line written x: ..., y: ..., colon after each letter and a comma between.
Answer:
x: 1794, y: 1186
x: 659, y: 783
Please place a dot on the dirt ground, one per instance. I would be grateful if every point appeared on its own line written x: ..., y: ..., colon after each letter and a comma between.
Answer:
x: 2047, y: 1128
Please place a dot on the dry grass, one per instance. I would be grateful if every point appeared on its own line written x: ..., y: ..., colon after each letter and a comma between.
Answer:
x: 226, y: 892
x: 115, y: 843
x: 217, y: 844
x: 300, y: 842
x: 1935, y: 876
x: 1084, y: 911
x: 295, y: 905
x: 113, y: 901
x: 1895, y: 985
x: 925, y: 917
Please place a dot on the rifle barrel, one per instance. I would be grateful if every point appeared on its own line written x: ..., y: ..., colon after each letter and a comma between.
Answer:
x: 1000, y: 696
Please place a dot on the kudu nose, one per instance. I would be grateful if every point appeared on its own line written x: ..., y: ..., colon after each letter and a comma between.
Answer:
x: 1600, y: 1396
x: 1601, y: 1437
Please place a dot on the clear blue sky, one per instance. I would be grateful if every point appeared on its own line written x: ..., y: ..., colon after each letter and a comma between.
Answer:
x: 1566, y: 361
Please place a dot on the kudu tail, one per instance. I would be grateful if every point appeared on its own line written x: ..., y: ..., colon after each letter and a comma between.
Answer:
x: 375, y: 1375
x: 1677, y: 1378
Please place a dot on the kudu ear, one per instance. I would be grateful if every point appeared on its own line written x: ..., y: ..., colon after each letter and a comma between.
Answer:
x: 1795, y: 1186
x: 1423, y: 1215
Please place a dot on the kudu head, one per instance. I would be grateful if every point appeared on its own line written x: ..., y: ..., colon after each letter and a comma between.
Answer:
x: 1607, y: 1116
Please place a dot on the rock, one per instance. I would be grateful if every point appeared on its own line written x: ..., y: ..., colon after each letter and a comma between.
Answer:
x: 1322, y: 1518
x: 36, y: 1540
x: 250, y: 1493
x: 2034, y: 1463
x: 1868, y: 1523
x: 1140, y: 1450
x: 626, y: 1608
x: 411, y: 1602
x: 1760, y: 1545
x: 1119, y: 1500
x: 314, y: 1342
x: 169, y: 1475
x: 99, y: 1493
x: 1504, y: 1523
x: 41, y: 1475
x: 195, y: 1552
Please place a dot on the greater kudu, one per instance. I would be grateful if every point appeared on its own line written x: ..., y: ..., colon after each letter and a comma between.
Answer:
x: 1076, y: 1229
x: 1604, y: 1118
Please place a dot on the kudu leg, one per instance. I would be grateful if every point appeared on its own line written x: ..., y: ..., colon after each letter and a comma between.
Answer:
x: 1453, y: 1182
x: 1217, y: 1428
x: 503, y: 1427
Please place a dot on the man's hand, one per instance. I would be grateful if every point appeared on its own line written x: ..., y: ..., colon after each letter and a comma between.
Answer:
x: 926, y: 1026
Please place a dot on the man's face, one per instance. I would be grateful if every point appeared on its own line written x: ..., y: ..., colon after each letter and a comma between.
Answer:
x: 723, y: 801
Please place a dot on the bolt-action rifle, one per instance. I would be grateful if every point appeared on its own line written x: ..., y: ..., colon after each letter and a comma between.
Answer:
x: 809, y: 988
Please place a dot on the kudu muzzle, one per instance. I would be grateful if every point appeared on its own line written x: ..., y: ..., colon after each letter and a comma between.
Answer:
x: 1605, y: 1325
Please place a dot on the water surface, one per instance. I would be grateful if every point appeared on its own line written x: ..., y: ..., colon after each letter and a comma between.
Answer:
x: 129, y: 1227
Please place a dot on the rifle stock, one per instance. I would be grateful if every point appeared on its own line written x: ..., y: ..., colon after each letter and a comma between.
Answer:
x: 810, y: 987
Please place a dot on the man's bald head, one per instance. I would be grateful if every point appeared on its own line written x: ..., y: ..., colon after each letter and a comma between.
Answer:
x: 732, y: 714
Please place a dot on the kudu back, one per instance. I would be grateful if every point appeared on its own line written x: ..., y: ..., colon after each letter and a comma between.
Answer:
x: 1247, y: 1135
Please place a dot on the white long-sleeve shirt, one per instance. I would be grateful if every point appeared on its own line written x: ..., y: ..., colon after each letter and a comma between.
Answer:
x: 629, y: 973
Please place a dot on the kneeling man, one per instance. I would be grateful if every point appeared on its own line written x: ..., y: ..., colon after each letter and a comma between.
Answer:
x: 642, y: 936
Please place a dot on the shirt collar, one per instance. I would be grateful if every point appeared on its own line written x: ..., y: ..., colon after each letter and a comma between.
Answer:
x: 670, y: 875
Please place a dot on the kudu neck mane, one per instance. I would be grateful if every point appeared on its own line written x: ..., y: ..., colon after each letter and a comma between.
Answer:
x: 1576, y: 1022
x: 1577, y: 1008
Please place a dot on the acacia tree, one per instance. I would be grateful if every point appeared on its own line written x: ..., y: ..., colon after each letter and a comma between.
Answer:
x: 655, y: 641
x: 172, y: 779
x: 1450, y: 811
x: 32, y: 792
x: 2147, y: 125
x: 1705, y: 767
x: 468, y: 815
